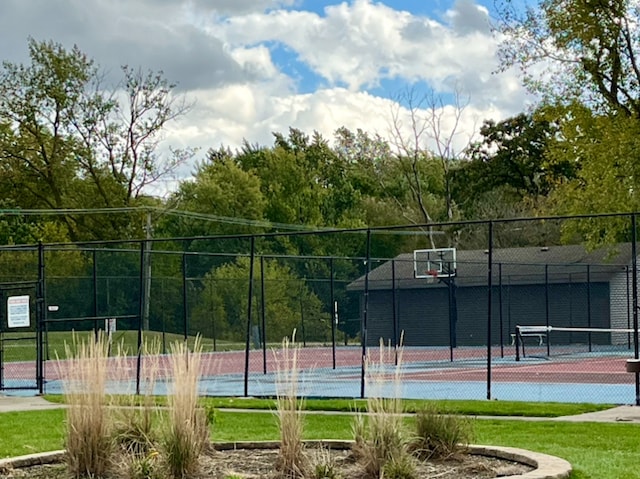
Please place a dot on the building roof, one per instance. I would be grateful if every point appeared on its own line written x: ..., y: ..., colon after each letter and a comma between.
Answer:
x: 528, y: 265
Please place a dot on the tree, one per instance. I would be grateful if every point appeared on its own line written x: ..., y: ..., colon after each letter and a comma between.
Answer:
x: 65, y: 142
x: 219, y: 188
x: 577, y: 50
x: 512, y: 157
x: 224, y: 300
x: 608, y: 179
x: 581, y: 56
x: 426, y: 153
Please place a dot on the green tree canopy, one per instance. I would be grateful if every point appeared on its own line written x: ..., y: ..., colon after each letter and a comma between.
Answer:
x: 288, y: 301
x: 67, y: 142
x: 577, y: 50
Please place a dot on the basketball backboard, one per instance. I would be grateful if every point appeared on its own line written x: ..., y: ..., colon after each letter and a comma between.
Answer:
x: 434, y: 263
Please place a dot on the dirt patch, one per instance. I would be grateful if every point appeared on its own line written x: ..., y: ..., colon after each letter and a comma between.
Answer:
x: 260, y: 463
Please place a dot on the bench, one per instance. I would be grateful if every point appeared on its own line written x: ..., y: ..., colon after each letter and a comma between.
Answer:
x: 539, y: 336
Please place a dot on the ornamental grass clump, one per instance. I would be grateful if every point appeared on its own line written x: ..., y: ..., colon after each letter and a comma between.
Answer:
x: 88, y: 438
x: 381, y: 443
x: 136, y: 417
x: 440, y: 435
x: 292, y: 460
x: 187, y: 432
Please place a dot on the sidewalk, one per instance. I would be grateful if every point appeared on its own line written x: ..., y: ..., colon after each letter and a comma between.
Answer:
x: 25, y: 403
x: 630, y: 414
x: 626, y: 414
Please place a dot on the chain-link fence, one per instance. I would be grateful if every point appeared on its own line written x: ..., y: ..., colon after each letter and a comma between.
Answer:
x: 526, y: 309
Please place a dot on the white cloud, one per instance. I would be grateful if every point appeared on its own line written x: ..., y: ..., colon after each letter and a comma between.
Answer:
x: 359, y: 44
x: 235, y: 7
x: 219, y: 52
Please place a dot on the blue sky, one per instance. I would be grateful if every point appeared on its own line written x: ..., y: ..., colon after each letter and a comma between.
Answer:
x: 252, y: 67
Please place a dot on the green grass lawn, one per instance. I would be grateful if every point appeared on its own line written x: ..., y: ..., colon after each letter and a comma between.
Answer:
x: 18, y: 349
x: 470, y: 408
x: 596, y: 450
x: 467, y: 407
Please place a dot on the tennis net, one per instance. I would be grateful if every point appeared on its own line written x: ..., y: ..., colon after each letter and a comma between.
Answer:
x: 567, y: 341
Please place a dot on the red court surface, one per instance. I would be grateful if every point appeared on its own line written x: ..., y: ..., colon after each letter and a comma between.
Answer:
x: 428, y: 364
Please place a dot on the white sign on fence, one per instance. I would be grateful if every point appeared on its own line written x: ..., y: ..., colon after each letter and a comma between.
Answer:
x: 18, y: 311
x: 110, y: 325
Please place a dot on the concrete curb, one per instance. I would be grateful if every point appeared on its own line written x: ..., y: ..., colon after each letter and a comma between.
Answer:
x: 31, y: 460
x: 546, y: 466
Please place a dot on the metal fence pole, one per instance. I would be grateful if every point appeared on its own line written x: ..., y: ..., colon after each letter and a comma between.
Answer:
x: 249, y: 311
x: 96, y: 326
x: 394, y: 306
x: 589, y: 303
x: 213, y: 314
x: 302, y: 329
x: 489, y: 312
x: 140, y: 319
x: 365, y: 312
x: 263, y: 314
x: 185, y: 298
x: 333, y: 312
x: 628, y: 308
x: 634, y: 292
x: 546, y: 306
x: 41, y: 316
x: 500, y: 311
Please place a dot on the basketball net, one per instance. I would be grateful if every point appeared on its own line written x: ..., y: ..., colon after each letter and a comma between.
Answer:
x: 432, y: 275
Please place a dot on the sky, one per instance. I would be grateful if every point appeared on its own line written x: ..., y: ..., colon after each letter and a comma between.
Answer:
x: 254, y: 67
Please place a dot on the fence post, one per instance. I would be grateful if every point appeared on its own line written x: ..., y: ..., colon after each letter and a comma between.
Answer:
x: 96, y: 326
x: 140, y: 319
x: 333, y: 313
x: 394, y: 306
x: 589, y: 303
x: 40, y: 319
x: 634, y: 292
x: 263, y: 314
x: 213, y: 315
x: 628, y: 308
x: 546, y: 306
x: 249, y: 308
x: 500, y: 311
x: 185, y: 298
x: 489, y: 312
x: 365, y: 308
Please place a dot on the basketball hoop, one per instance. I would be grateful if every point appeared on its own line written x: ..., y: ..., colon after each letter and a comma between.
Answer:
x: 432, y: 275
x: 434, y: 264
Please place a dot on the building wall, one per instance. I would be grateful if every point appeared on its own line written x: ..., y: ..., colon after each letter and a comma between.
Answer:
x: 621, y: 306
x: 423, y: 314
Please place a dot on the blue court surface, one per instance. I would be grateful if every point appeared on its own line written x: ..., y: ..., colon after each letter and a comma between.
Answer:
x: 345, y: 383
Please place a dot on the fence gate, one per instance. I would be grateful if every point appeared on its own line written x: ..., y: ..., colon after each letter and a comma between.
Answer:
x: 19, y: 358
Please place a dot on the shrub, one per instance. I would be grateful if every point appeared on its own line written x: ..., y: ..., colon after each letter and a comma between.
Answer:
x: 440, y: 435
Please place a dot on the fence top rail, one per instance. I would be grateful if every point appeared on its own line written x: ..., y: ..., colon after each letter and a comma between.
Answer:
x: 325, y: 231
